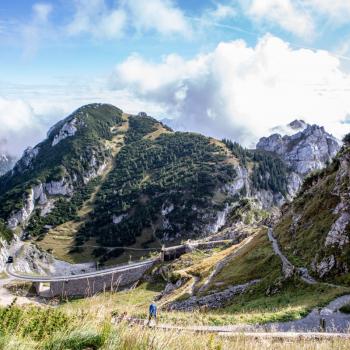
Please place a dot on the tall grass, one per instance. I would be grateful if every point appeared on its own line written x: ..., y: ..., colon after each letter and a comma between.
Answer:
x: 78, y: 327
x: 124, y: 337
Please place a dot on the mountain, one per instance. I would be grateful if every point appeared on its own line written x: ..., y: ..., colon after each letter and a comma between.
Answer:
x: 6, y: 163
x: 304, y: 148
x: 104, y: 178
x: 314, y: 230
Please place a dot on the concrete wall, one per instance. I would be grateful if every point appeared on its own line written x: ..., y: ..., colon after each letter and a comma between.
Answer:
x: 92, y: 285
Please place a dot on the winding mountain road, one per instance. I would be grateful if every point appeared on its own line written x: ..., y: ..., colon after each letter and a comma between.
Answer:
x: 287, y: 267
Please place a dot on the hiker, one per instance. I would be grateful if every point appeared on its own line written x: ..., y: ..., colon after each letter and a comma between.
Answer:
x: 152, y: 313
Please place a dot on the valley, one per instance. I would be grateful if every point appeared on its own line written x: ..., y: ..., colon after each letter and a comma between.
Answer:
x: 261, y: 235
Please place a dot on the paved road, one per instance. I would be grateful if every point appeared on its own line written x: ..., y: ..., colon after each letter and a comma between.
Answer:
x: 10, y: 272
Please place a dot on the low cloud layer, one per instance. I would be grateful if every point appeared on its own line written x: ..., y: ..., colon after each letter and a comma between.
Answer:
x: 235, y: 91
x: 242, y: 92
x: 25, y: 121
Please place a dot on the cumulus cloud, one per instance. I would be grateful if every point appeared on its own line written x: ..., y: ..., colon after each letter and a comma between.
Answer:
x: 30, y: 110
x: 19, y: 124
x: 97, y: 19
x: 284, y: 13
x: 242, y: 92
x: 163, y: 16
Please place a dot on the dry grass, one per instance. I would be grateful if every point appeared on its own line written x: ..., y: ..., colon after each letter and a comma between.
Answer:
x: 156, y: 133
x: 100, y: 334
x: 91, y: 326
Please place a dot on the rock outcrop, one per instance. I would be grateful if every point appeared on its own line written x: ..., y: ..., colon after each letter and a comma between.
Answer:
x: 6, y: 163
x: 309, y: 149
x: 68, y: 129
x: 27, y: 158
x: 212, y: 301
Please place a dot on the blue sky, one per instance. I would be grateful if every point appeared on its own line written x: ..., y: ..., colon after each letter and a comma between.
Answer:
x: 225, y: 68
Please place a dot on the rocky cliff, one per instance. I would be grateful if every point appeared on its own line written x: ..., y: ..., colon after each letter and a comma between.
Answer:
x: 303, y: 147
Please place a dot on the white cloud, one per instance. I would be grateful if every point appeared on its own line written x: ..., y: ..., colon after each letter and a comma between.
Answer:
x: 242, y: 92
x: 96, y: 18
x: 18, y: 123
x: 222, y: 12
x: 42, y: 11
x: 36, y: 30
x: 285, y: 13
x: 338, y: 10
x: 159, y: 15
x: 29, y: 111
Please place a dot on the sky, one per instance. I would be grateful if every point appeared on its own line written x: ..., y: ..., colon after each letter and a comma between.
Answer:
x: 233, y: 69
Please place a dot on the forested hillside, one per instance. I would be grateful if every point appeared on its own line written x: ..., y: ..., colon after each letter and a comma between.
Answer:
x: 107, y: 179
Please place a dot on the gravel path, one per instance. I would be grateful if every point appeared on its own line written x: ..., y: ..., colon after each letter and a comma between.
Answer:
x: 336, y: 322
x: 6, y: 297
x: 221, y: 264
x: 287, y: 267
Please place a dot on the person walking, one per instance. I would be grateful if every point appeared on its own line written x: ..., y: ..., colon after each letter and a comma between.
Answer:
x: 152, y: 313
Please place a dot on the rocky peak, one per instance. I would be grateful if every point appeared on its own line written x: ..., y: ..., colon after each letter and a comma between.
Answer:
x: 304, y: 151
x: 297, y: 124
x: 6, y: 163
x: 28, y: 156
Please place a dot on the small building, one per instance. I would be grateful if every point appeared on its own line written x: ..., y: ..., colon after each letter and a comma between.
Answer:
x: 142, y: 114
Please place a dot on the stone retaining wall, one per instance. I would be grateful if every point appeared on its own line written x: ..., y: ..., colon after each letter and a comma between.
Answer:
x: 89, y: 286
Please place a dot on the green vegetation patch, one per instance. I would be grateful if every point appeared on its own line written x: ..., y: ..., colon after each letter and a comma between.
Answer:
x: 254, y: 261
x: 269, y: 171
x: 5, y: 233
x: 69, y: 158
x: 65, y: 209
x: 308, y: 220
x: 33, y: 322
x: 182, y: 170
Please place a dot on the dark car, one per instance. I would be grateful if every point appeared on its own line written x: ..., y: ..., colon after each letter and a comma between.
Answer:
x: 10, y: 260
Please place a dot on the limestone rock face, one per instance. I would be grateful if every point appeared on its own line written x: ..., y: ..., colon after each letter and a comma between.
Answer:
x: 324, y: 266
x: 28, y: 155
x: 23, y: 214
x: 308, y: 149
x: 67, y: 130
x: 61, y: 187
x: 6, y: 163
x: 304, y: 151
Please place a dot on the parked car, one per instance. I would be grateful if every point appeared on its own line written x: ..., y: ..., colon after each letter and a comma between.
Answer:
x: 10, y: 260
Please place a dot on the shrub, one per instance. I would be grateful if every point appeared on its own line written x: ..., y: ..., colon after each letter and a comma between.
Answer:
x: 32, y: 322
x: 345, y: 309
x: 76, y: 341
x: 346, y: 139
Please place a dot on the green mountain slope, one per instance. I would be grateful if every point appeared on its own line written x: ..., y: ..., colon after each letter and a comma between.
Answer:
x: 104, y: 179
x: 314, y: 230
